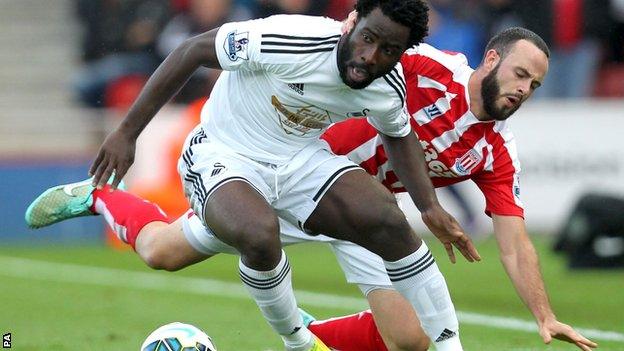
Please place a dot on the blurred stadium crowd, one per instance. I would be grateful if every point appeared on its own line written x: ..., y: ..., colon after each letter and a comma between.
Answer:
x: 125, y: 40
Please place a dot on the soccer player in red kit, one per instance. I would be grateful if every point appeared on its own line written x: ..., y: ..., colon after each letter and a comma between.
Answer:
x: 459, y: 114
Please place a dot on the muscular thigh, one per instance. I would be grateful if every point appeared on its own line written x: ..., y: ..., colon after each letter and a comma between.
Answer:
x: 229, y: 192
x: 354, y: 205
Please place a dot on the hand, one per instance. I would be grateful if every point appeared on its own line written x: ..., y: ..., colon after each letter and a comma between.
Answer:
x: 349, y: 22
x: 116, y: 155
x: 555, y: 329
x: 449, y: 232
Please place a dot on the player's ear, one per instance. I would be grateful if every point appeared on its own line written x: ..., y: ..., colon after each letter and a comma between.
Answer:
x: 349, y: 23
x: 491, y: 59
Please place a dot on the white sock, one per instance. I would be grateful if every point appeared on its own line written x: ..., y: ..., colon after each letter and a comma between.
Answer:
x: 418, y: 278
x: 272, y: 291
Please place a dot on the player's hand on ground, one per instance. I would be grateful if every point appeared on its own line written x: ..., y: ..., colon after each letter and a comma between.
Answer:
x: 450, y: 233
x: 555, y: 329
x: 116, y: 155
x: 349, y: 22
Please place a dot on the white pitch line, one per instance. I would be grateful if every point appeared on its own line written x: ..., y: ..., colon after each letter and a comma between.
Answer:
x: 80, y: 274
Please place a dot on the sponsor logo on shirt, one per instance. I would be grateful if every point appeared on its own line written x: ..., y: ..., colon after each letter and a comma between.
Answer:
x: 516, y: 187
x: 465, y: 164
x: 235, y: 45
x: 432, y: 111
x: 301, y: 120
x: 298, y: 87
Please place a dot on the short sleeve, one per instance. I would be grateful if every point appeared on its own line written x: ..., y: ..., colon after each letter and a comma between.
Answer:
x: 238, y: 45
x: 276, y: 43
x: 395, y: 124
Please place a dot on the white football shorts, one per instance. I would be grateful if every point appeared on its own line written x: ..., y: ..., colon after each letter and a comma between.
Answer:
x: 293, y: 189
x: 359, y: 265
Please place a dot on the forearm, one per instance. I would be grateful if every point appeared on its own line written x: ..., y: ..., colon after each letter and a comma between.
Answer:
x: 167, y: 80
x: 522, y: 265
x: 408, y: 162
x: 523, y: 270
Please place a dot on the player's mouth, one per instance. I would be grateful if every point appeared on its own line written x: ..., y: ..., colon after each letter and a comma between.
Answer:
x: 512, y: 100
x: 358, y: 74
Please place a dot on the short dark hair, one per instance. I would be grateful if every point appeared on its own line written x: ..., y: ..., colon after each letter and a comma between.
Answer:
x: 503, y: 41
x: 414, y: 14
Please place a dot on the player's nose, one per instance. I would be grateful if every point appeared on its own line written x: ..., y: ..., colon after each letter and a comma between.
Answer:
x: 369, y: 56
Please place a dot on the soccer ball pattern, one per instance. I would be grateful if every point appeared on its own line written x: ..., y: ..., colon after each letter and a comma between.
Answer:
x: 178, y: 337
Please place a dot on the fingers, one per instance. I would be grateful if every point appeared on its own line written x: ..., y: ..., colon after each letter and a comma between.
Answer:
x: 471, y: 249
x: 449, y: 252
x: 464, y: 251
x: 567, y: 333
x: 582, y: 346
x: 116, y: 181
x: 105, y: 169
x: 546, y: 337
x: 584, y: 341
x: 467, y: 248
x: 96, y: 163
x: 106, y: 174
x: 98, y: 172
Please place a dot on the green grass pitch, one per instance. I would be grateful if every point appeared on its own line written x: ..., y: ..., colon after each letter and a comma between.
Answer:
x: 49, y: 300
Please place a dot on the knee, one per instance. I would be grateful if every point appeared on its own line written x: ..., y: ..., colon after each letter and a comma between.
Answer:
x: 408, y: 342
x: 391, y: 226
x: 159, y: 258
x: 259, y: 241
x: 157, y: 255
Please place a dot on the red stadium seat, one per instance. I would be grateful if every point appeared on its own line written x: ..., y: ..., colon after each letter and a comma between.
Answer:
x: 122, y: 92
x: 610, y: 82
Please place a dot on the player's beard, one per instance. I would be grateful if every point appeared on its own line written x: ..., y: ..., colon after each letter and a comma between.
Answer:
x: 490, y: 92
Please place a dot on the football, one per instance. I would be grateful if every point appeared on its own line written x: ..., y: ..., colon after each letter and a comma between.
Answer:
x: 178, y: 337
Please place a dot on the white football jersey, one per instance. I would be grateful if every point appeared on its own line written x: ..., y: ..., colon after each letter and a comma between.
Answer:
x: 281, y: 88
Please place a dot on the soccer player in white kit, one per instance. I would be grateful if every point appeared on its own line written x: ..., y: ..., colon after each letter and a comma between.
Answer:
x: 448, y: 101
x: 256, y: 154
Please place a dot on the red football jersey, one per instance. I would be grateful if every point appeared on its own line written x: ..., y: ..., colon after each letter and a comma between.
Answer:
x: 457, y: 146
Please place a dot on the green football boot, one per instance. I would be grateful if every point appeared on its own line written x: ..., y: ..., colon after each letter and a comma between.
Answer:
x: 62, y: 202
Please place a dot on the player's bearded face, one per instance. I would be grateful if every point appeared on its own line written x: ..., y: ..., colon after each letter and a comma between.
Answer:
x: 371, y: 49
x: 494, y: 102
x: 347, y: 63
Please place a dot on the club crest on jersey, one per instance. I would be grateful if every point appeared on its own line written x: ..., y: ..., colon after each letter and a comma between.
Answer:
x: 235, y: 45
x: 465, y: 164
x: 300, y: 120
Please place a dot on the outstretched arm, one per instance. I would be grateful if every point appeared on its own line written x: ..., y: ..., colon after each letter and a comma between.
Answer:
x: 407, y: 159
x: 117, y: 152
x: 521, y: 264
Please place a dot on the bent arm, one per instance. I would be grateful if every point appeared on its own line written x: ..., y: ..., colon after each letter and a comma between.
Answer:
x: 116, y: 154
x: 169, y: 78
x: 408, y: 162
x: 521, y: 263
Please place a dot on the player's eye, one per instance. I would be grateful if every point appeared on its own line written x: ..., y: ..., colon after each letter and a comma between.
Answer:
x: 367, y: 38
x: 390, y: 51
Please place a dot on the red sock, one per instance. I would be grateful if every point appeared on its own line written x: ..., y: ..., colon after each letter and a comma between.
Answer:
x: 356, y: 332
x: 125, y: 213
